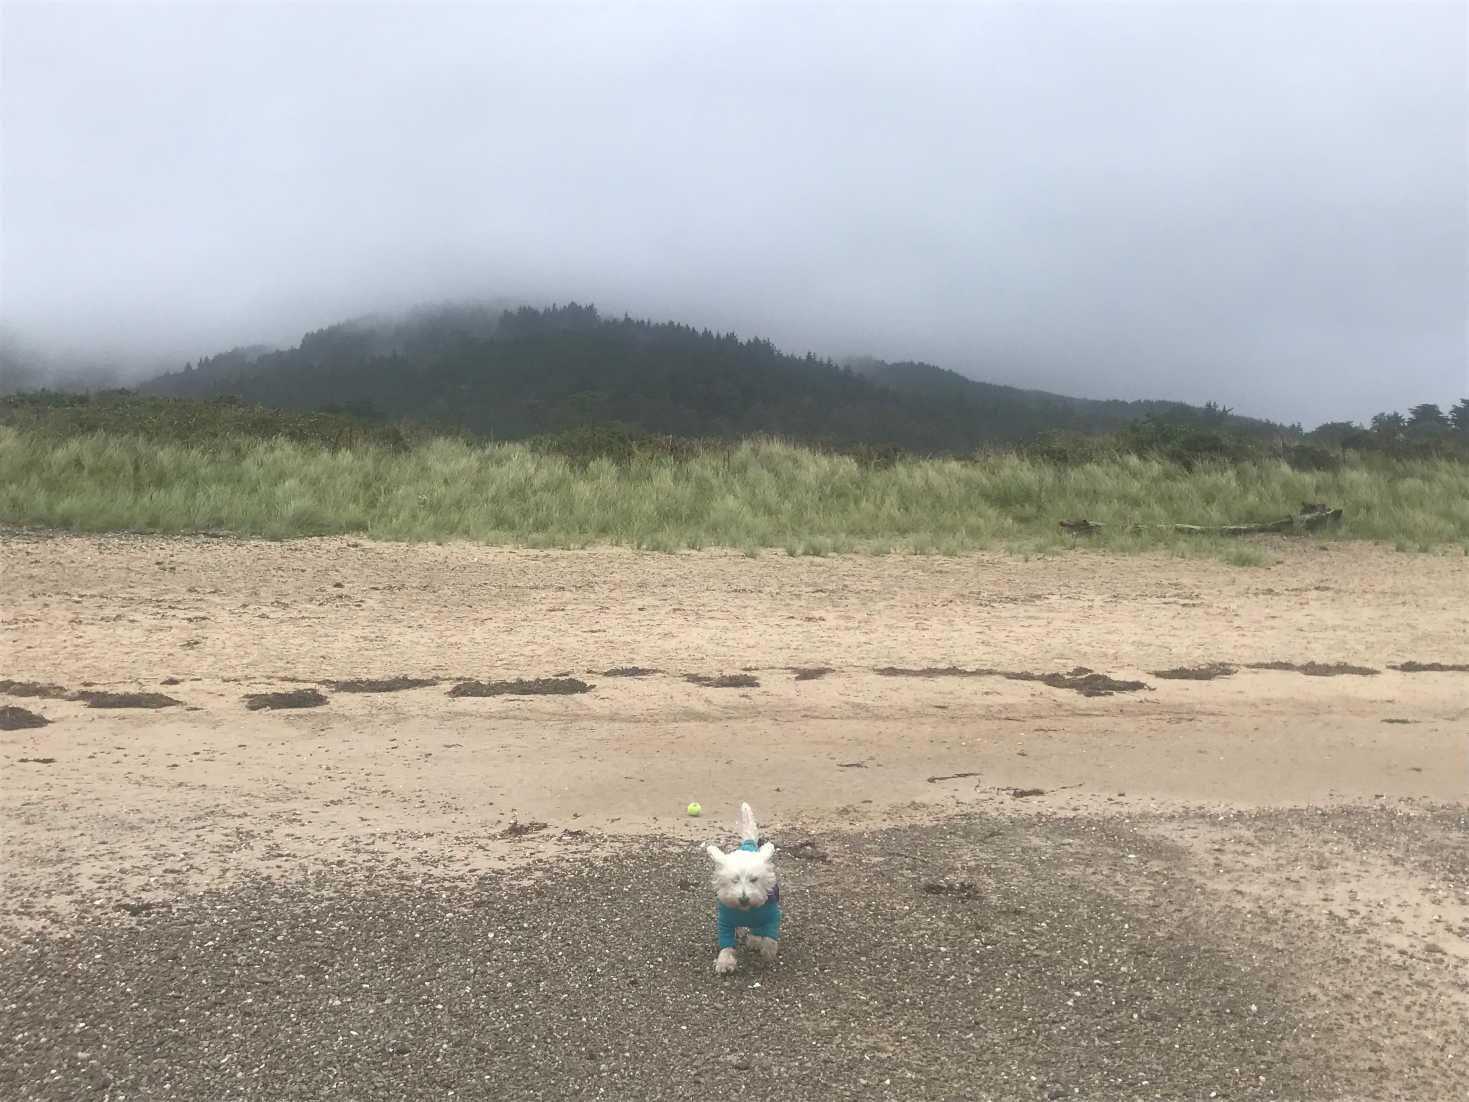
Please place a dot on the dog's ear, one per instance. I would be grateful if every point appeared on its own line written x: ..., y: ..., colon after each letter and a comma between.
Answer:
x: 767, y: 851
x: 716, y: 853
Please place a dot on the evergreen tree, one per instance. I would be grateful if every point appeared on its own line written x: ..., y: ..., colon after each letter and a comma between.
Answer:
x: 1427, y: 420
x: 1389, y: 424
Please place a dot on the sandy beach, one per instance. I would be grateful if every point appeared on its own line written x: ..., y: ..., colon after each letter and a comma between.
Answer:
x: 859, y: 695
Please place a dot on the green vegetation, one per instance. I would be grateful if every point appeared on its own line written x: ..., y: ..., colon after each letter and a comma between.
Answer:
x: 123, y: 463
x: 219, y: 424
x: 511, y: 375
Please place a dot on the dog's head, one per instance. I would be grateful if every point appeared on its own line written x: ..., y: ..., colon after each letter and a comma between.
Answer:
x: 745, y: 878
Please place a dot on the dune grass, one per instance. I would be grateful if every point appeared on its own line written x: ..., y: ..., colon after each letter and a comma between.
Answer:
x: 757, y: 496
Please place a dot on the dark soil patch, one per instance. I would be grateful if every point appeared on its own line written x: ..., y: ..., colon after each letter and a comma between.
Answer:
x: 807, y: 851
x: 34, y: 688
x: 541, y: 686
x: 520, y: 830
x: 140, y: 908
x: 630, y: 671
x: 1431, y: 667
x: 1025, y: 793
x: 1316, y: 669
x: 725, y: 681
x: 962, y: 889
x: 383, y: 685
x: 1196, y: 673
x: 296, y: 698
x: 1399, y: 721
x: 810, y: 673
x: 934, y: 671
x: 20, y: 719
x: 38, y: 761
x: 126, y: 700
x: 1083, y: 681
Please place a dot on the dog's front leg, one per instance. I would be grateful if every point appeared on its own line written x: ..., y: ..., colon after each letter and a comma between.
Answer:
x: 768, y: 947
x: 725, y: 962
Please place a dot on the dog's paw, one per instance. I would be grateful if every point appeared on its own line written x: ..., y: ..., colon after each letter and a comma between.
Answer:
x: 725, y: 962
x: 768, y: 946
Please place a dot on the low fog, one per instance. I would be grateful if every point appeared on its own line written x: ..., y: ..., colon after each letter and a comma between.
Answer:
x: 1260, y: 205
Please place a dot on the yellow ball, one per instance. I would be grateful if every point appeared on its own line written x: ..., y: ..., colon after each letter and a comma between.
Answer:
x: 695, y: 809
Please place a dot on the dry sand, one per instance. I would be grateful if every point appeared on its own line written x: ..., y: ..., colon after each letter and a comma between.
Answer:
x: 155, y: 805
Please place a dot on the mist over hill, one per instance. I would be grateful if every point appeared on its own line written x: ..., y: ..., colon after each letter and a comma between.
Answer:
x: 510, y: 374
x: 27, y: 365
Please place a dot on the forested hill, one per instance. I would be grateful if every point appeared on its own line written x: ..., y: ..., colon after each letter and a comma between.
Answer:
x: 996, y: 409
x: 512, y: 374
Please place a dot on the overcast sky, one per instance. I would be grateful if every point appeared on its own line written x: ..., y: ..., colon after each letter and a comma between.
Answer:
x: 1259, y: 204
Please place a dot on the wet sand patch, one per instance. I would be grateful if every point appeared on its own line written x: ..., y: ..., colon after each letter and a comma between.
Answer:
x: 1082, y: 680
x: 381, y: 685
x: 1316, y: 669
x: 724, y: 681
x: 1207, y: 672
x: 13, y: 718
x: 34, y: 688
x: 810, y: 673
x: 98, y: 699
x: 293, y: 698
x: 540, y: 686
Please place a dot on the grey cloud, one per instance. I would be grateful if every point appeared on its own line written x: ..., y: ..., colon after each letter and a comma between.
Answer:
x: 1261, y: 205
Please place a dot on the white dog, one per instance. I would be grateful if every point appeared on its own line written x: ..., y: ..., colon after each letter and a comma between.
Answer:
x: 749, y: 895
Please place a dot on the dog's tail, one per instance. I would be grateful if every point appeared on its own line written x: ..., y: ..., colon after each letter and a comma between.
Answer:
x: 747, y: 824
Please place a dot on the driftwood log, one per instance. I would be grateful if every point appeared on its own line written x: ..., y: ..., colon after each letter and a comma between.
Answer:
x: 1311, y: 517
x: 1319, y: 516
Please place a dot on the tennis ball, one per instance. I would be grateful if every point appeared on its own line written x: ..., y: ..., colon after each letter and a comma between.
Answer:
x: 695, y: 809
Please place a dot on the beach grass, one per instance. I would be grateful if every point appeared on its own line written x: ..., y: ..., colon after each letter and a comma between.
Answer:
x: 757, y: 496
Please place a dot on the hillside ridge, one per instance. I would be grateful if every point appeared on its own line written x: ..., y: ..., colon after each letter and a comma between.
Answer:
x: 515, y: 373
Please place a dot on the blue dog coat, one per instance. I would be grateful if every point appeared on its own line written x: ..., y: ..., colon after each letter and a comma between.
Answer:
x: 763, y: 921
